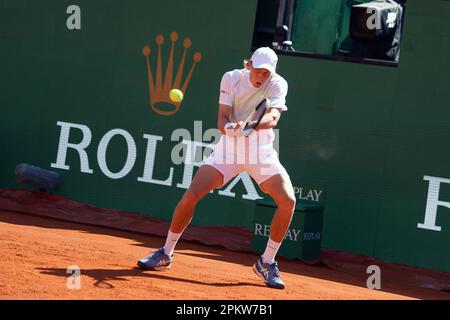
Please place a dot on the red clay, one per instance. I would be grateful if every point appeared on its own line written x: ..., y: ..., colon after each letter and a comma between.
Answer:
x: 36, y: 252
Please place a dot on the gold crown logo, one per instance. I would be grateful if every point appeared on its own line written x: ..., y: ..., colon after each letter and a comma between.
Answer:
x: 159, y: 91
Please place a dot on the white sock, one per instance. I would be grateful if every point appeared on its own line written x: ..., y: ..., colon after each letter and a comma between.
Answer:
x: 271, y: 250
x: 171, y: 242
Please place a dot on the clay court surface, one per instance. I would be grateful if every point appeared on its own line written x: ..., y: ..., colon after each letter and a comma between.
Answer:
x: 36, y: 251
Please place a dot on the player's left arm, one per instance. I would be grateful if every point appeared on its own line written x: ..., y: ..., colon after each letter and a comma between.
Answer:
x: 277, y: 97
x: 270, y: 119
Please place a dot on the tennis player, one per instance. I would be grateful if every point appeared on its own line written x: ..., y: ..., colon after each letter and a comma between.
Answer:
x: 240, y: 92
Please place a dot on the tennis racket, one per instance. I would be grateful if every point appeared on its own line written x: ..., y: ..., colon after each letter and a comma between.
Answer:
x: 255, y: 117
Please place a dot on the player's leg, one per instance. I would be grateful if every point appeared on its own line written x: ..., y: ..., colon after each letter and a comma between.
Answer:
x: 206, y: 179
x: 274, y: 180
x: 279, y: 187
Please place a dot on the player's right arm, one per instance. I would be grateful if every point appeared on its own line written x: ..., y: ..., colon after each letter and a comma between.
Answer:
x: 223, y: 117
x: 225, y: 101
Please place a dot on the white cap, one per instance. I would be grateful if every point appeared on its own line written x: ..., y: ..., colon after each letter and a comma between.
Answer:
x: 265, y: 58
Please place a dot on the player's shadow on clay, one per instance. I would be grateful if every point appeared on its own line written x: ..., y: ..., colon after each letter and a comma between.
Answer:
x: 103, y: 277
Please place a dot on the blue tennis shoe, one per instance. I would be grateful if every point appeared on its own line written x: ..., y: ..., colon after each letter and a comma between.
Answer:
x: 159, y: 260
x: 269, y: 273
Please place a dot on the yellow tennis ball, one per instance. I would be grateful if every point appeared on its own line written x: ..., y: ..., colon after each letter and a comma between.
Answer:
x: 176, y: 95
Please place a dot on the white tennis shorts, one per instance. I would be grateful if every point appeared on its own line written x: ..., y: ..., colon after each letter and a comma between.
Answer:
x: 254, y: 154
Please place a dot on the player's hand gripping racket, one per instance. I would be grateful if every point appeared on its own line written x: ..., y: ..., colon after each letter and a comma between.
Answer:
x: 255, y: 117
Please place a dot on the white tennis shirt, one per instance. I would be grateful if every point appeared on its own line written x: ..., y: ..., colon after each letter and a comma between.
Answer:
x: 237, y: 91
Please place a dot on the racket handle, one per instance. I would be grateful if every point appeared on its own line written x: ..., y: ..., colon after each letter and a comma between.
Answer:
x: 247, y: 132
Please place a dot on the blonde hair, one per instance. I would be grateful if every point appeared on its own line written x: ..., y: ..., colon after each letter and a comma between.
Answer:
x: 246, y: 62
